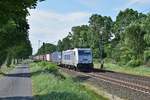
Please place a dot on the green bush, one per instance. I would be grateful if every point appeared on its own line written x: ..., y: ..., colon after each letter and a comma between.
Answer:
x: 43, y: 63
x: 47, y: 66
x: 51, y: 67
x: 146, y: 56
x: 134, y: 63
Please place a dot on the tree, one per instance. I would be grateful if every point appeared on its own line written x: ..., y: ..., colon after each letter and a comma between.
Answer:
x: 80, y: 36
x: 124, y: 19
x: 14, y: 29
x: 128, y: 36
x: 46, y: 48
x: 59, y: 46
x: 146, y: 26
x: 134, y: 39
x: 99, y: 24
x: 67, y: 43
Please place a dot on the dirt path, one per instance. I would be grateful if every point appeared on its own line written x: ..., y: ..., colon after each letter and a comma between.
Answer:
x: 16, y: 85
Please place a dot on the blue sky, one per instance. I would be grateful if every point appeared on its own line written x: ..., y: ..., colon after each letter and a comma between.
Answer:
x: 53, y: 19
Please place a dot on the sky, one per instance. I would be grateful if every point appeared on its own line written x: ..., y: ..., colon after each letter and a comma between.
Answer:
x: 52, y: 20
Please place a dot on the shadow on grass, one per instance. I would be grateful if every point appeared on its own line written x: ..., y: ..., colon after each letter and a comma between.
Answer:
x: 59, y: 96
x: 59, y: 75
x: 16, y: 98
x: 21, y: 74
x: 25, y: 75
x: 80, y: 78
x: 2, y: 73
x: 102, y: 71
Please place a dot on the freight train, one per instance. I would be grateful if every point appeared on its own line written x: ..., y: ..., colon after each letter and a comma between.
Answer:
x: 77, y: 58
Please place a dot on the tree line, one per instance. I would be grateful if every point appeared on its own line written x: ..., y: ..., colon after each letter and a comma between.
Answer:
x: 126, y: 40
x: 14, y: 40
x: 46, y: 48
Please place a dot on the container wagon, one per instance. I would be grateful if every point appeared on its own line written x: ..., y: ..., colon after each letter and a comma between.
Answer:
x: 56, y: 57
x: 48, y: 57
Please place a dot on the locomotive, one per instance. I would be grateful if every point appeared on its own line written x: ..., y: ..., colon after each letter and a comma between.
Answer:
x: 77, y: 58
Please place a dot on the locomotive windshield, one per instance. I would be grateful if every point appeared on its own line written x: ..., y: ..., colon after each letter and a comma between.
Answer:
x: 84, y: 52
x: 84, y: 56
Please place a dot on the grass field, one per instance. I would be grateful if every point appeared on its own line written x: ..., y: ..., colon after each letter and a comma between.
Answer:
x: 141, y: 70
x: 51, y: 84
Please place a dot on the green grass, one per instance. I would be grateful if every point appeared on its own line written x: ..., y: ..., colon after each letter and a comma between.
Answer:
x: 141, y: 70
x: 50, y: 84
x: 4, y: 70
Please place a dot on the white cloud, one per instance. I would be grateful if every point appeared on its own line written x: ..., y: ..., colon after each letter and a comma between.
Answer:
x: 89, y: 3
x: 50, y: 26
x: 131, y: 3
x: 136, y: 2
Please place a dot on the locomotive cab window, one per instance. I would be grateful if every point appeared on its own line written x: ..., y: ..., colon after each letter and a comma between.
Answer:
x: 84, y: 52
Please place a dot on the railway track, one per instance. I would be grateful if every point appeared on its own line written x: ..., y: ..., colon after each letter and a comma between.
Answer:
x: 134, y: 83
x: 123, y: 83
x: 142, y: 80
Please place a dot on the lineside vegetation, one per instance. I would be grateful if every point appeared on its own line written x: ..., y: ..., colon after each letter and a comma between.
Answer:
x: 51, y: 84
